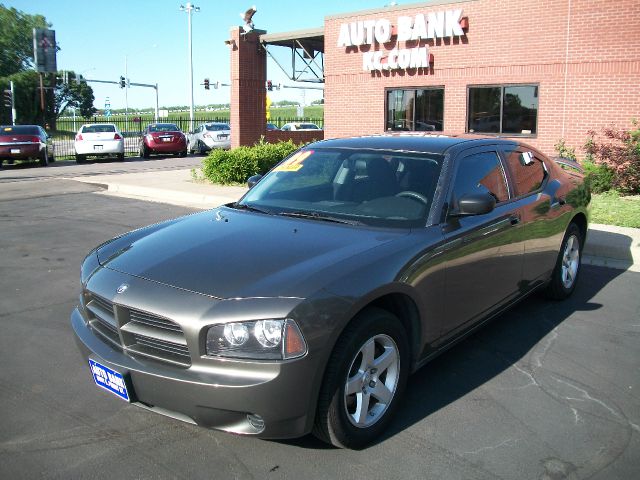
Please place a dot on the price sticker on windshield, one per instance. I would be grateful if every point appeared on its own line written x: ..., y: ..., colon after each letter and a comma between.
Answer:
x: 294, y: 163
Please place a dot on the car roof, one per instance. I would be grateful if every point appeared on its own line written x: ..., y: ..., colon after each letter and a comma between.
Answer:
x: 411, y: 141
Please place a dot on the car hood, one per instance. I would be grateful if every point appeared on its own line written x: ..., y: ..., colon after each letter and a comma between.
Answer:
x: 227, y: 253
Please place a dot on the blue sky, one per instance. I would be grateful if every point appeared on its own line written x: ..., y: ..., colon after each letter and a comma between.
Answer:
x: 95, y: 36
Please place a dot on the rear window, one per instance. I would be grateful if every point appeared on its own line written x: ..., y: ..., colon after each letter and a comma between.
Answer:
x: 309, y: 126
x: 98, y: 128
x: 217, y: 126
x: 20, y: 130
x: 164, y: 127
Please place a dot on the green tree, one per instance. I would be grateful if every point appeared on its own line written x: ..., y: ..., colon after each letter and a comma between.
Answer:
x: 73, y: 94
x: 16, y: 39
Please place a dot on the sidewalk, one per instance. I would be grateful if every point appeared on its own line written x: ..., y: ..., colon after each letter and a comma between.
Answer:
x: 607, y: 246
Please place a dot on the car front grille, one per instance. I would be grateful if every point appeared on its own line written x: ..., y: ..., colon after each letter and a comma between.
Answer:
x: 136, y: 332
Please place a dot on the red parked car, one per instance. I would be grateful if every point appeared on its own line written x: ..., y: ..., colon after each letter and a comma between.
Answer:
x: 23, y: 142
x: 163, y: 138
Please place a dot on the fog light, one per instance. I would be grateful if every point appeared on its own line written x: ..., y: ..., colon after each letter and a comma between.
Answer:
x: 256, y: 421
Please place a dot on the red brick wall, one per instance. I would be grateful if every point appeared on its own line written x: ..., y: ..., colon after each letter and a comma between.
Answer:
x: 248, y: 94
x: 588, y: 68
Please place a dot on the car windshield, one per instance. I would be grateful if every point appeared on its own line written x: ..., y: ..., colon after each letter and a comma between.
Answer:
x: 217, y: 126
x: 20, y: 130
x: 164, y: 127
x: 372, y: 187
x: 98, y: 128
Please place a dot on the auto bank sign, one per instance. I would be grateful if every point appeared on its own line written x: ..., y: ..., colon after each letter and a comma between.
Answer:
x: 445, y: 24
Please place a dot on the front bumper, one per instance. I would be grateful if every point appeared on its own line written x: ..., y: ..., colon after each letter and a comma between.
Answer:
x: 220, y: 395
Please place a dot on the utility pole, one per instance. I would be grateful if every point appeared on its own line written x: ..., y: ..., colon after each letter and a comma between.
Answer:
x: 189, y: 8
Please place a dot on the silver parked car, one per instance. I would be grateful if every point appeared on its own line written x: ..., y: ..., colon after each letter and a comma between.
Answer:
x: 287, y: 127
x: 209, y: 136
x: 304, y: 306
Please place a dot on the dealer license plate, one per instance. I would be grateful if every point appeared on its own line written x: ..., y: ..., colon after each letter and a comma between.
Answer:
x: 15, y: 150
x: 97, y: 147
x: 109, y: 380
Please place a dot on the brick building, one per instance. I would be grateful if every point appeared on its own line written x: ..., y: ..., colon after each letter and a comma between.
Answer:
x: 542, y: 70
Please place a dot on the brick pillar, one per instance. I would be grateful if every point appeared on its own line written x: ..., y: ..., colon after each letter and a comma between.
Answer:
x: 248, y: 96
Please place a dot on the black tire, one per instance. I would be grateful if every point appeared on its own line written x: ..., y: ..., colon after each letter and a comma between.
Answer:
x: 183, y: 153
x: 568, y: 265
x: 336, y: 417
x: 81, y: 158
x: 44, y: 158
x: 202, y: 149
x: 121, y: 157
x: 144, y: 151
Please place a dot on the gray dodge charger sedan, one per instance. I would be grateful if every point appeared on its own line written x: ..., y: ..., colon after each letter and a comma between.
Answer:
x: 304, y: 306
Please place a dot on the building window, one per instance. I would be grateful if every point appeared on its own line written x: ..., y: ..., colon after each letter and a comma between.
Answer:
x: 415, y: 110
x: 508, y: 109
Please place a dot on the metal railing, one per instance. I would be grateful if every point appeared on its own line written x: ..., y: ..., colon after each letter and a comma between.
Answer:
x: 66, y: 129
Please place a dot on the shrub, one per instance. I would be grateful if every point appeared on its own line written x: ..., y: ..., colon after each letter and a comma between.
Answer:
x: 236, y: 166
x: 619, y: 151
x: 600, y: 177
x: 564, y: 151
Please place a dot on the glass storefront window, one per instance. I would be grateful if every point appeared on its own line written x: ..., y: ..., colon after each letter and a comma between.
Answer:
x: 509, y: 109
x: 415, y: 110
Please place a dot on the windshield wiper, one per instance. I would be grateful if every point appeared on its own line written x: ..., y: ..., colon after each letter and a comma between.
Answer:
x: 250, y: 208
x: 318, y: 216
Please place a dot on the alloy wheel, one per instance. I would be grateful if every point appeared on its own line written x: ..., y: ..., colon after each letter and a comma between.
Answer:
x: 372, y: 380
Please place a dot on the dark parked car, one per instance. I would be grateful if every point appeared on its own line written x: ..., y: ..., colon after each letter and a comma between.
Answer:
x: 24, y: 142
x: 163, y: 138
x: 304, y: 306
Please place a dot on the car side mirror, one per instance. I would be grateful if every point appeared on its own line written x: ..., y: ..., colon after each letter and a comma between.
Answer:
x: 476, y: 204
x: 253, y: 180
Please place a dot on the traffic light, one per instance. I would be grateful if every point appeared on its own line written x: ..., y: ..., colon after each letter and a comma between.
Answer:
x: 8, y: 98
x: 206, y: 84
x: 269, y: 85
x: 122, y: 82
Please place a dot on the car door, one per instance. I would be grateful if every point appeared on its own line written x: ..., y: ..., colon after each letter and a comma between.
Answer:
x: 542, y: 211
x: 483, y: 254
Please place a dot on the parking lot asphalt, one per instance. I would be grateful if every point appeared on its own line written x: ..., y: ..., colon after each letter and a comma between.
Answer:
x: 607, y: 245
x: 548, y: 390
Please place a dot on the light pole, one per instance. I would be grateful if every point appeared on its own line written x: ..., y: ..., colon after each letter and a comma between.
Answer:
x: 189, y: 8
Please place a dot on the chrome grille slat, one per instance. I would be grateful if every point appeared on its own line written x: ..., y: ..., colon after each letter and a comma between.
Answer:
x: 143, y: 333
x: 153, y: 321
x: 136, y: 328
x: 161, y: 345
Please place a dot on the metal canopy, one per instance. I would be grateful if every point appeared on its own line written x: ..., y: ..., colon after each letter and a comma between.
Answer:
x: 307, y: 53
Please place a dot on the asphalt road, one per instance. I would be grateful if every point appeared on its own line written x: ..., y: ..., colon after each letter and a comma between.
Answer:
x: 547, y: 391
x: 69, y: 168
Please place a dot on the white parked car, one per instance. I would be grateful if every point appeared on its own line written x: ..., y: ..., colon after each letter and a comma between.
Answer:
x: 98, y: 140
x: 300, y: 126
x: 209, y: 136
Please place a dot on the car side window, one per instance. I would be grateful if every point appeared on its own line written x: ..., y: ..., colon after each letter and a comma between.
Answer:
x: 527, y: 170
x: 480, y: 173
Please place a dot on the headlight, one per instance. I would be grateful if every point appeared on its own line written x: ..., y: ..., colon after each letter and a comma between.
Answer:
x: 261, y: 339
